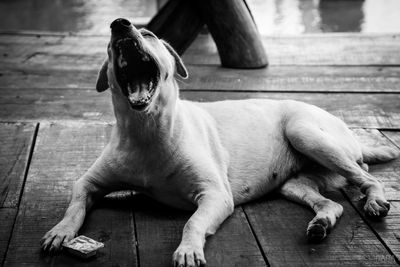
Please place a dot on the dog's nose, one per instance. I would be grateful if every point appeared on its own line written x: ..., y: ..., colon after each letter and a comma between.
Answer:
x: 120, y: 25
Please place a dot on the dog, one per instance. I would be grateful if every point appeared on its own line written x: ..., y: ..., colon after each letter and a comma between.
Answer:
x: 210, y: 157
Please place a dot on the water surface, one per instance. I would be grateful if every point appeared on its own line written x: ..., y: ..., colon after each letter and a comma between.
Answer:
x: 273, y: 17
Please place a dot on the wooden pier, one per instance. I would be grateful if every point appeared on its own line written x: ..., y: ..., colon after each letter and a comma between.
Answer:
x: 53, y: 125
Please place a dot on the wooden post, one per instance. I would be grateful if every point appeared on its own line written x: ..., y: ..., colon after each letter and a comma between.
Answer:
x: 234, y: 32
x: 229, y: 22
x: 178, y: 23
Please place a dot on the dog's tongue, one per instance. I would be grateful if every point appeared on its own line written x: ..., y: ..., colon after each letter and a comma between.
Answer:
x: 138, y: 95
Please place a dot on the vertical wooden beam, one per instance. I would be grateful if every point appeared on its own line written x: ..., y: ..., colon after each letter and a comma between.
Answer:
x: 234, y: 32
x: 178, y: 23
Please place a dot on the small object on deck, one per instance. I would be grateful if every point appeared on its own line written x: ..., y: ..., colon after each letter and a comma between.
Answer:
x: 83, y: 247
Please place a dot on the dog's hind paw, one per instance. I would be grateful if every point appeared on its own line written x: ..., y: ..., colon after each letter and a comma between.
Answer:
x: 317, y: 230
x: 188, y: 256
x: 52, y: 241
x: 376, y: 208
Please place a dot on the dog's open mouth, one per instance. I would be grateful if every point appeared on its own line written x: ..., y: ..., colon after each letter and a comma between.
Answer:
x: 137, y: 72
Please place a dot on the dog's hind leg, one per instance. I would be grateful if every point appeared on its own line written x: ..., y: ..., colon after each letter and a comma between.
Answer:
x: 341, y: 154
x: 305, y: 191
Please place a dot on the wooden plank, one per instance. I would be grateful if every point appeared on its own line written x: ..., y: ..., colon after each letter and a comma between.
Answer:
x: 49, y: 78
x: 7, y: 216
x: 210, y: 77
x: 357, y: 109
x: 312, y: 49
x: 159, y: 230
x: 393, y: 136
x: 294, y: 78
x: 63, y: 152
x: 15, y: 145
x: 390, y: 232
x: 387, y: 172
x: 281, y: 226
x: 388, y: 228
x: 18, y: 48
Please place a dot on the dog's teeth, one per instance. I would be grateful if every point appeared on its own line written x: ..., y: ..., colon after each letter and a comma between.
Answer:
x: 121, y: 60
x: 130, y: 90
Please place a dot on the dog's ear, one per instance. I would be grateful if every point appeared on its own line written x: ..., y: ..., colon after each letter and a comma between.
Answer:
x: 102, y: 80
x: 180, y: 68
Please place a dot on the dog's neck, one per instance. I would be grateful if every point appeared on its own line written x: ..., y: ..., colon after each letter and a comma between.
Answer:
x: 154, y: 125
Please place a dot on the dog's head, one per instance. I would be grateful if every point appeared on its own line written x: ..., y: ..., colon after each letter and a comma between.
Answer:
x: 138, y: 64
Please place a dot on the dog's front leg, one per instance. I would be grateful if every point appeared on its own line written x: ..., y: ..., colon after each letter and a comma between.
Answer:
x: 84, y: 192
x: 213, y: 209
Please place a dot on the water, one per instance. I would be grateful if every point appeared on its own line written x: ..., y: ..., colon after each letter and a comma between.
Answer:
x: 318, y: 16
x: 273, y: 17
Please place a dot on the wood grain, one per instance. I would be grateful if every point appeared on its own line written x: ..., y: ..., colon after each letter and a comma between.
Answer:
x: 159, y: 230
x: 394, y: 137
x: 294, y: 78
x: 281, y: 226
x: 7, y: 216
x: 15, y: 145
x: 356, y: 109
x: 312, y: 49
x: 388, y: 173
x: 63, y: 72
x: 63, y: 152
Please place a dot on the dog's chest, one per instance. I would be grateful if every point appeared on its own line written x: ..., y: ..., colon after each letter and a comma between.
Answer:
x: 153, y: 176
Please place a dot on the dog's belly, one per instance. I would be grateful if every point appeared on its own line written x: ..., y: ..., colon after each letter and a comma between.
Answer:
x: 258, y: 169
x: 260, y: 156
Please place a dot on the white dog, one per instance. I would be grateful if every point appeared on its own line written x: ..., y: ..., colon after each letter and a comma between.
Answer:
x: 209, y: 157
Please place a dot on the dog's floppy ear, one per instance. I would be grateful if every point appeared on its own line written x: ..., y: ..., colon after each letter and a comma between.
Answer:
x: 180, y: 68
x: 102, y: 80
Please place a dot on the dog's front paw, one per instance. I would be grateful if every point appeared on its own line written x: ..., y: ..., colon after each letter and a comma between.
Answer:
x: 376, y: 208
x: 188, y: 256
x: 53, y: 239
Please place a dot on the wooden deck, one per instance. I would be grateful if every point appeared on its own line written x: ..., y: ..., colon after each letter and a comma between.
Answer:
x: 53, y: 124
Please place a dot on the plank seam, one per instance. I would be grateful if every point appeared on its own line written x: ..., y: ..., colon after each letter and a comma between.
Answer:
x: 349, y: 65
x: 384, y: 91
x: 28, y: 163
x: 370, y: 227
x: 291, y: 91
x: 136, y: 236
x: 390, y: 139
x: 255, y: 237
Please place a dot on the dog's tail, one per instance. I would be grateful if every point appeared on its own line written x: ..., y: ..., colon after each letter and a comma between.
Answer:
x: 379, y: 154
